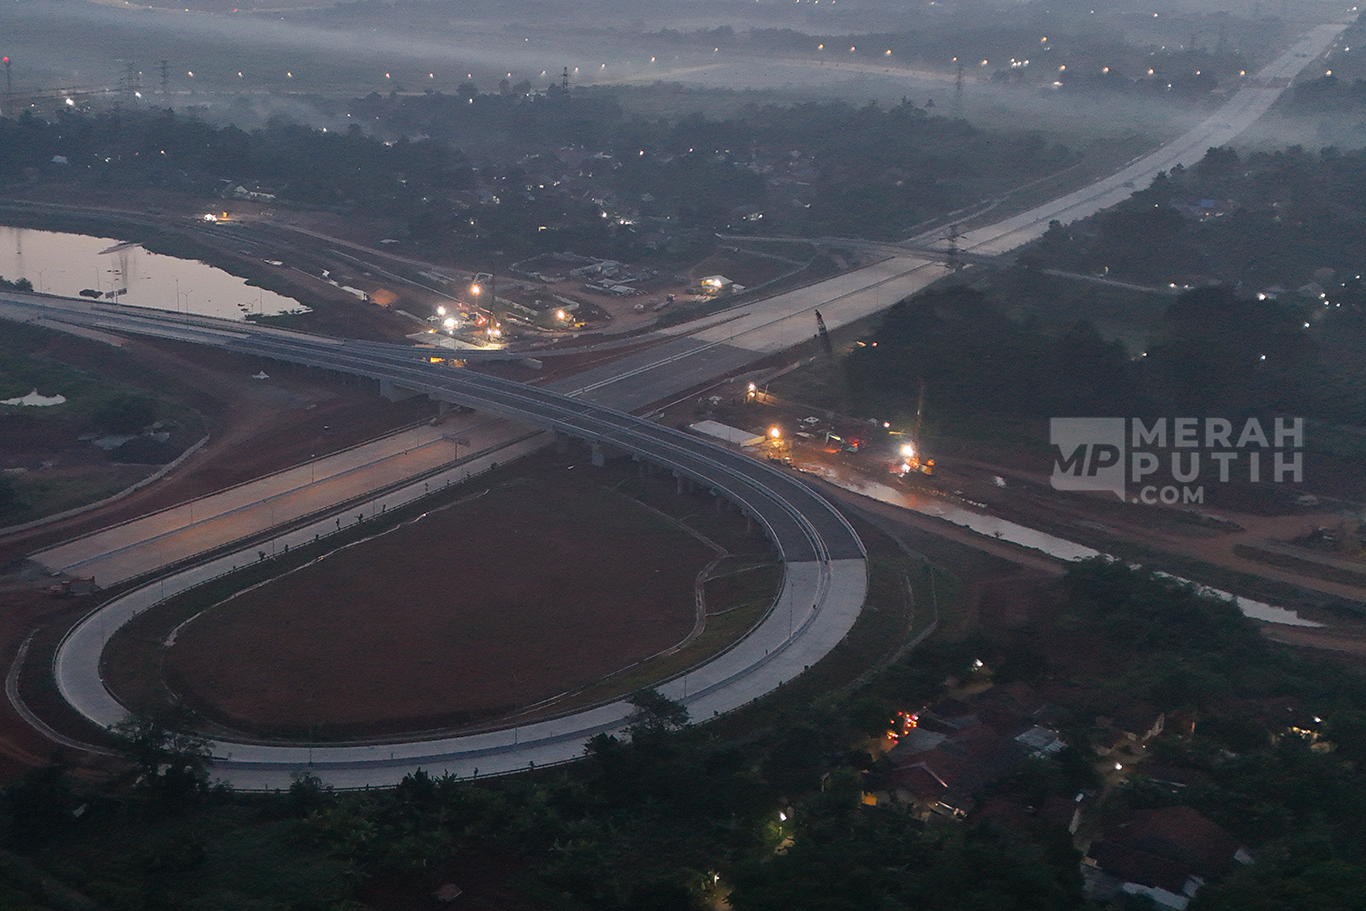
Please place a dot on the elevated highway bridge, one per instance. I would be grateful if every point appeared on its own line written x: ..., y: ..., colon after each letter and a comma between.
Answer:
x: 824, y: 584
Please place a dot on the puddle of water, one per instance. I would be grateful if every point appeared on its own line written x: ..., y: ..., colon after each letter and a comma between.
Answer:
x: 1257, y: 610
x: 1052, y: 545
x: 68, y: 264
x: 36, y: 400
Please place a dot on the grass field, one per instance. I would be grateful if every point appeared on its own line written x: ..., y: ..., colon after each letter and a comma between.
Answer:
x: 46, y: 452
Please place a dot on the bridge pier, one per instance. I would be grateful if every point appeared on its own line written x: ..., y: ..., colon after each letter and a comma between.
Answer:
x: 394, y: 392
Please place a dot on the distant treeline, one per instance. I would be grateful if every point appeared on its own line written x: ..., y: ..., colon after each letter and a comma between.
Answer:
x: 1271, y: 242
x: 812, y: 168
x: 1008, y: 51
x: 519, y: 170
x: 1218, y: 352
x: 1267, y: 219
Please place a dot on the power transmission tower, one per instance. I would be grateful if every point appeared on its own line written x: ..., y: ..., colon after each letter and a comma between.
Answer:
x: 564, y: 81
x: 165, y: 76
x: 9, y: 91
x: 132, y: 82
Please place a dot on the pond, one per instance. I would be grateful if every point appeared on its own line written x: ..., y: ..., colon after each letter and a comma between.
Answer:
x: 67, y: 264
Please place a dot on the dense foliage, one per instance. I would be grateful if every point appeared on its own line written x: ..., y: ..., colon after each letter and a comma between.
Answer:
x: 1272, y: 318
x: 1277, y: 748
x: 670, y: 817
x: 526, y: 172
x: 1271, y: 220
x: 1216, y: 352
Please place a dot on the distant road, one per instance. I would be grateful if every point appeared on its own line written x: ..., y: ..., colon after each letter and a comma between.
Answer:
x: 726, y: 343
x: 1239, y: 113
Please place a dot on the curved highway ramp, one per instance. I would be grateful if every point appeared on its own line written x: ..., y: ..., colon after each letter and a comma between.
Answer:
x: 824, y: 584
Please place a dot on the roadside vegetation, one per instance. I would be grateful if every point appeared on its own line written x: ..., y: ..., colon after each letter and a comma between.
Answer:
x: 49, y: 459
x: 677, y: 817
x: 1229, y: 288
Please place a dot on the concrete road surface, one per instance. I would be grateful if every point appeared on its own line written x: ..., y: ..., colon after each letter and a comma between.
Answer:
x: 1239, y: 113
x: 148, y: 543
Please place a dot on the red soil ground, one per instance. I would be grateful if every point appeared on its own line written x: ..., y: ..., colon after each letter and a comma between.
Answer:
x: 493, y: 604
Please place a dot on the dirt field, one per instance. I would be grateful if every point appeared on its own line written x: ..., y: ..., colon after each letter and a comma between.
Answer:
x: 485, y: 607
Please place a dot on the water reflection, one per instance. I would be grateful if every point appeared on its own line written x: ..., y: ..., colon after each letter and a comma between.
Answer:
x: 69, y: 264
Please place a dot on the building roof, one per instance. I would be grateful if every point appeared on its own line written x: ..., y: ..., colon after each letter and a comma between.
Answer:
x: 1131, y: 865
x: 1137, y: 719
x: 726, y: 432
x: 1017, y: 697
x: 916, y: 740
x: 1164, y: 847
x: 1041, y: 741
x: 983, y: 745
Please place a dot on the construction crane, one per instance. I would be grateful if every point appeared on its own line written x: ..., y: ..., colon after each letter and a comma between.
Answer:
x: 825, y: 336
x: 912, y: 459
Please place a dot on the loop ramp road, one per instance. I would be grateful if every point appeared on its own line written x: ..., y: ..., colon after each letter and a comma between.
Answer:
x: 824, y: 583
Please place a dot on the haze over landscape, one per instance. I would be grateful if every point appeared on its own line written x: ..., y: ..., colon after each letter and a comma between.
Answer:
x: 724, y: 454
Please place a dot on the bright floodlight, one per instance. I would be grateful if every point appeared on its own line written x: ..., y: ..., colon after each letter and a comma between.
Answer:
x: 449, y: 323
x: 775, y: 432
x: 908, y: 451
x: 441, y: 311
x: 475, y: 289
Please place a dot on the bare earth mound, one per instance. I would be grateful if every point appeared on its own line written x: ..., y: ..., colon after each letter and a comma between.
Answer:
x: 490, y: 605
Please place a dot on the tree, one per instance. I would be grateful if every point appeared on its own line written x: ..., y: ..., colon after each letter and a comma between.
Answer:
x: 38, y: 805
x: 655, y: 715
x: 173, y: 760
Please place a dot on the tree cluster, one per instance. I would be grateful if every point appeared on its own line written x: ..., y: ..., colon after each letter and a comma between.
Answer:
x: 1218, y: 352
